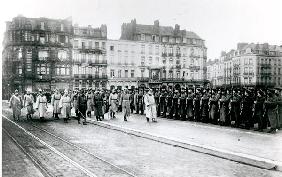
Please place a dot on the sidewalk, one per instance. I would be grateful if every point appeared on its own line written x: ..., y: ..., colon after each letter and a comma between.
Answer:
x: 254, y: 148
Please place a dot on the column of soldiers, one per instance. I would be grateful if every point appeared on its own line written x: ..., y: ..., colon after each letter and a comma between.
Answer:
x: 235, y: 107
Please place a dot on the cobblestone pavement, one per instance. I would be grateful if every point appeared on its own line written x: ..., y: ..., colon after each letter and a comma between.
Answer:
x: 140, y: 156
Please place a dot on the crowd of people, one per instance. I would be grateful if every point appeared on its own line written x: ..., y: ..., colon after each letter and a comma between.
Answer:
x: 242, y: 108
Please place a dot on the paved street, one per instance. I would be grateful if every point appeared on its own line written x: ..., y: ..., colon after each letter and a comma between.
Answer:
x: 92, y: 150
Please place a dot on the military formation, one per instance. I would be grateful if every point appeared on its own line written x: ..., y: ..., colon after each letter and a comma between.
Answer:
x: 241, y: 107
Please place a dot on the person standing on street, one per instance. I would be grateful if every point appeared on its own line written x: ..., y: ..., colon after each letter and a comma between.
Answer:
x: 82, y: 106
x: 113, y: 100
x: 189, y: 103
x: 74, y: 99
x: 234, y: 107
x: 28, y: 103
x: 163, y: 103
x: 41, y: 104
x: 182, y: 105
x: 205, y: 107
x: 169, y: 101
x: 141, y: 101
x: 125, y: 97
x: 150, y: 104
x: 279, y: 111
x: 89, y: 97
x: 55, y: 103
x: 136, y: 106
x: 157, y: 100
x: 65, y: 106
x: 16, y: 105
x: 246, y: 110
x: 271, y: 110
x: 223, y: 108
x: 196, y: 105
x: 258, y: 108
x: 98, y: 104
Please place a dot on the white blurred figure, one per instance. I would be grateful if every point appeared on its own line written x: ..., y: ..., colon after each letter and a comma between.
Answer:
x: 150, y: 104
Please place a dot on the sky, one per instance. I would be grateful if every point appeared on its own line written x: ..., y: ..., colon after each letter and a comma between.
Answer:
x: 221, y: 23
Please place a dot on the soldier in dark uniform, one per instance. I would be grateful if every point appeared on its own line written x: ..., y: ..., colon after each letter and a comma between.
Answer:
x: 135, y: 100
x: 141, y: 101
x: 246, y: 110
x: 204, y: 107
x: 157, y: 100
x: 82, y: 106
x: 163, y: 103
x: 169, y: 104
x: 214, y: 106
x: 234, y: 107
x: 258, y: 109
x: 182, y: 105
x: 189, y: 105
x: 224, y: 108
x: 279, y: 101
x: 98, y: 104
x: 196, y: 104
x: 175, y: 105
x: 271, y: 108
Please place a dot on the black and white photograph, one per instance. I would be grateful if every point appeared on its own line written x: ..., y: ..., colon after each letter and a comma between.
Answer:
x: 141, y: 88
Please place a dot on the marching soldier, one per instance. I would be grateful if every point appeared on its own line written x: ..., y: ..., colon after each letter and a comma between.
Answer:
x: 125, y: 97
x: 16, y: 105
x: 141, y: 101
x: 235, y: 102
x: 55, y: 103
x: 190, y: 106
x: 175, y: 105
x: 89, y: 97
x: 28, y: 103
x: 131, y: 92
x: 196, y: 105
x: 98, y: 104
x: 279, y: 100
x: 41, y: 105
x: 136, y: 106
x: 205, y: 107
x: 271, y: 108
x: 182, y: 105
x: 113, y: 103
x: 163, y: 103
x: 74, y: 98
x: 258, y: 109
x: 82, y: 106
x: 169, y: 99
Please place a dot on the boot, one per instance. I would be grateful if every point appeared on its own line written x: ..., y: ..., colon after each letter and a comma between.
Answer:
x: 124, y: 118
x: 147, y: 119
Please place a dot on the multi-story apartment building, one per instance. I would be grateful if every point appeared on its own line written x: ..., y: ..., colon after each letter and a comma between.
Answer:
x: 164, y: 55
x: 248, y: 65
x: 89, y: 57
x: 36, y: 54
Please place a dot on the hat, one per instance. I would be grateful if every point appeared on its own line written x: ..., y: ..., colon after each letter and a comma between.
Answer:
x: 16, y: 91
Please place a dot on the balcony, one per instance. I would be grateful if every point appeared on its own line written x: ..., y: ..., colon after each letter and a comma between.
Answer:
x: 265, y: 65
x: 143, y: 79
x: 97, y: 50
x: 90, y: 76
x: 194, y: 67
x: 170, y: 54
x: 98, y: 62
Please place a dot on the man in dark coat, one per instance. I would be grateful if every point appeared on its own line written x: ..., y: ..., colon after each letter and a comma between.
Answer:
x: 163, y: 103
x: 182, y: 105
x: 189, y: 105
x: 224, y: 108
x: 157, y: 101
x: 196, y: 104
x: 235, y: 108
x: 98, y: 104
x: 175, y: 105
x: 141, y: 101
x: 169, y: 99
x: 82, y: 106
x: 214, y: 106
x: 205, y: 107
x: 258, y: 111
x: 246, y: 110
x: 271, y: 110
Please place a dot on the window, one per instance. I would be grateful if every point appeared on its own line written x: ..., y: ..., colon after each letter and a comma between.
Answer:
x: 165, y: 39
x: 42, y: 25
x: 154, y: 38
x: 184, y: 40
x: 43, y: 55
x: 132, y: 73
x: 83, y: 45
x: 111, y: 48
x: 42, y: 39
x: 170, y: 74
x: 62, y: 27
x: 103, y: 45
x: 164, y: 61
x: 157, y: 60
x: 157, y: 50
x: 19, y: 69
x: 142, y: 72
x: 96, y: 45
x: 150, y: 60
x: 178, y: 74
x: 142, y: 49
x: 177, y: 40
x: 62, y: 38
x: 279, y: 71
x: 250, y: 61
x: 119, y: 73
x: 126, y: 73
x: 62, y: 55
x: 177, y: 50
x: 142, y: 37
x: 75, y: 45
x: 170, y: 51
x: 150, y: 49
x: 90, y: 44
x: 142, y: 60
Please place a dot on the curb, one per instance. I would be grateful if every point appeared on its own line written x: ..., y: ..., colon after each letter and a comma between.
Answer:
x: 209, y: 150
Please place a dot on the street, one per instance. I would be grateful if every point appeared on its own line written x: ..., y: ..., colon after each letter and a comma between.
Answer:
x: 55, y: 148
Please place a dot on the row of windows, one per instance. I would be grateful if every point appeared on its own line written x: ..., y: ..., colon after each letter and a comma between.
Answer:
x: 89, y: 70
x: 119, y: 75
x: 89, y: 44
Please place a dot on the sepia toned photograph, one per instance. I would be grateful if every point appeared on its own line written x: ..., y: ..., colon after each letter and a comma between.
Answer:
x: 141, y: 88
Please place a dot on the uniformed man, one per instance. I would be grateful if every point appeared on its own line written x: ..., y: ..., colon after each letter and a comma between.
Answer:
x: 16, y: 105
x: 235, y: 108
x: 163, y: 102
x: 246, y: 110
x: 74, y: 98
x: 98, y: 104
x: 136, y: 105
x: 271, y: 108
x: 28, y: 103
x: 224, y: 108
x: 182, y: 105
x: 65, y: 105
x: 125, y: 97
x: 41, y: 105
x: 258, y: 109
x: 196, y: 105
x: 89, y: 97
x: 113, y: 100
x: 279, y: 101
x: 141, y: 101
x: 82, y: 106
x: 169, y: 104
x: 157, y: 101
x: 214, y: 106
x: 190, y: 106
x: 204, y: 103
x: 55, y: 103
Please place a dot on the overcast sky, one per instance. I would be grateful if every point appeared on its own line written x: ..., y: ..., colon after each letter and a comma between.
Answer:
x: 221, y: 23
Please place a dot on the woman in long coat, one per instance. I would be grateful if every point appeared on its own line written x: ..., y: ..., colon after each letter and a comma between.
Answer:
x: 65, y: 105
x: 55, y: 103
x: 16, y: 105
x: 125, y: 97
x: 150, y: 104
x: 41, y: 105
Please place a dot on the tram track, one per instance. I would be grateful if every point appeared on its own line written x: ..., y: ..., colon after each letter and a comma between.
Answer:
x: 89, y: 163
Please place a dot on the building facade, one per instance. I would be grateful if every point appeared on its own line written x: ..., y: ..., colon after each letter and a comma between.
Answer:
x: 36, y: 54
x: 165, y: 55
x: 248, y: 65
x: 89, y: 57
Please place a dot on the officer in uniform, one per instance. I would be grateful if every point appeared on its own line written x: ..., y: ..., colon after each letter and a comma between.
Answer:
x: 196, y: 104
x: 234, y: 107
x: 175, y: 105
x: 246, y: 110
x: 169, y: 99
x: 141, y: 101
x: 258, y: 110
x: 223, y: 108
x: 135, y: 100
x: 82, y: 106
x: 157, y: 101
x: 271, y: 108
x: 205, y: 107
x: 163, y: 102
x: 98, y: 104
x: 182, y: 105
x: 189, y: 105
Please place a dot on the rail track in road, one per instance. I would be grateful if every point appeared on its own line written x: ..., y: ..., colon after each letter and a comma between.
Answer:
x: 88, y: 163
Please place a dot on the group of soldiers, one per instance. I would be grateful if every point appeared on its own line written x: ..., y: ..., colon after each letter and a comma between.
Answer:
x: 227, y: 107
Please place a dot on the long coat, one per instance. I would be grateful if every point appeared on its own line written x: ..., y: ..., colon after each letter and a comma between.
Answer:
x: 98, y: 104
x: 163, y: 102
x: 169, y: 102
x: 182, y: 106
x: 65, y: 105
x: 247, y: 106
x: 235, y: 108
x: 205, y: 106
x: 16, y: 105
x: 74, y: 101
x: 214, y: 107
x: 28, y: 103
x: 41, y: 105
x: 82, y: 104
x: 271, y: 105
x: 189, y: 103
x: 150, y: 104
x: 89, y: 97
x: 55, y: 103
x: 224, y: 103
x: 113, y: 102
x: 126, y: 104
x: 279, y: 101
